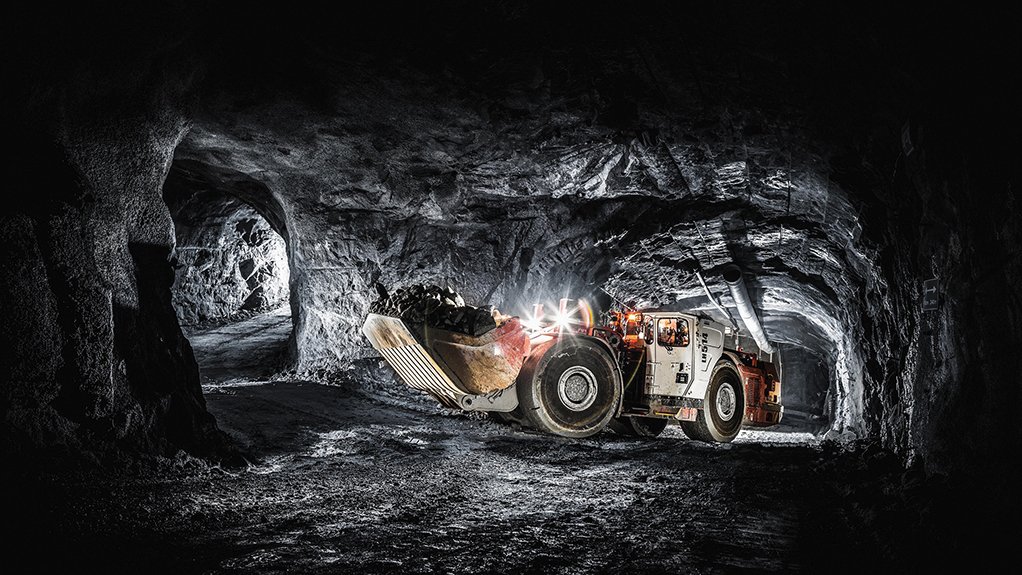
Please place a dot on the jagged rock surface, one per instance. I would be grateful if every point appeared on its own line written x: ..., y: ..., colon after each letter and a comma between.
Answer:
x: 228, y: 258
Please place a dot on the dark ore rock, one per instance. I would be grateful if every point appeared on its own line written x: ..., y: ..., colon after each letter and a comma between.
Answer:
x: 438, y: 307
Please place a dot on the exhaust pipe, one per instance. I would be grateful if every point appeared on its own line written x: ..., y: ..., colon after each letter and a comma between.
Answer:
x: 733, y: 276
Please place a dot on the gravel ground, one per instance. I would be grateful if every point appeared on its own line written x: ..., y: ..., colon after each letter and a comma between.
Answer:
x: 347, y: 483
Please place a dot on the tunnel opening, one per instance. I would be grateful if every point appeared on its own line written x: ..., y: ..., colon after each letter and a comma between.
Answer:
x: 232, y: 280
x: 808, y: 399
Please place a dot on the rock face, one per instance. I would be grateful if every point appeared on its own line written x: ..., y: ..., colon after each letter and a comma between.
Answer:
x: 229, y: 258
x: 522, y: 153
x: 99, y: 356
x: 97, y: 364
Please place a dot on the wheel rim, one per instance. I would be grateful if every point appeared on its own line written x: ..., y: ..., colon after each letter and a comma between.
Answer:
x: 726, y: 402
x: 576, y: 388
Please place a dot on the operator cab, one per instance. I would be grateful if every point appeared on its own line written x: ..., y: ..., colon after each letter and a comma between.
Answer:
x: 670, y: 356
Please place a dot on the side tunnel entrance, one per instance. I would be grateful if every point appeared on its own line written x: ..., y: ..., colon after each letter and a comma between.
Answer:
x: 806, y: 391
x: 231, y: 287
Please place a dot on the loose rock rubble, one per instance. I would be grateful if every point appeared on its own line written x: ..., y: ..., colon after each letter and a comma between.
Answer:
x: 437, y: 307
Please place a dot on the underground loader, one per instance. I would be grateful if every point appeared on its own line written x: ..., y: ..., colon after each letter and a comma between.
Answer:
x: 560, y: 373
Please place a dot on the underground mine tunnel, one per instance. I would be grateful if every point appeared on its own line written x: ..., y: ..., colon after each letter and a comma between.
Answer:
x: 270, y: 282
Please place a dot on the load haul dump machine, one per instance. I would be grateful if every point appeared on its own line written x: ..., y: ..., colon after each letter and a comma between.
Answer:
x: 561, y: 374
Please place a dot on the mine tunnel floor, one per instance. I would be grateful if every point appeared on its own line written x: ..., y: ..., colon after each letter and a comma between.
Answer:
x: 249, y: 348
x: 368, y: 476
x: 352, y: 481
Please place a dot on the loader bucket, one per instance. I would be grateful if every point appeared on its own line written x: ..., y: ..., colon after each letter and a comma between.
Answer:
x: 448, y: 365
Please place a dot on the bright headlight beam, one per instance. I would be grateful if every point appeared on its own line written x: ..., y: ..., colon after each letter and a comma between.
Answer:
x: 562, y: 321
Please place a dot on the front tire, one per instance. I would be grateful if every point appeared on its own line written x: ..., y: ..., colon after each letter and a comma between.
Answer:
x: 570, y: 387
x: 720, y: 419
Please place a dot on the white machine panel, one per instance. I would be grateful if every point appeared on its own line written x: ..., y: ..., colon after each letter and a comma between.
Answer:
x: 708, y: 347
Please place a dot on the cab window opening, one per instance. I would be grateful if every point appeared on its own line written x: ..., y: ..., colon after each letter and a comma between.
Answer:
x: 672, y: 332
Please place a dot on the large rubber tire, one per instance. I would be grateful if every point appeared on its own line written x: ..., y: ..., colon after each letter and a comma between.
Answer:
x: 720, y: 420
x: 646, y: 427
x: 570, y: 387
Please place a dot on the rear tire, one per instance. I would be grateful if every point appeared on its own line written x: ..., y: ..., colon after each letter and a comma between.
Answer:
x: 647, y: 427
x: 720, y: 419
x: 570, y: 388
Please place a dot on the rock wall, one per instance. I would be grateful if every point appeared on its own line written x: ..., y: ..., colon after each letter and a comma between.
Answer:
x: 89, y: 290
x: 949, y: 386
x: 229, y: 260
x: 98, y: 364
